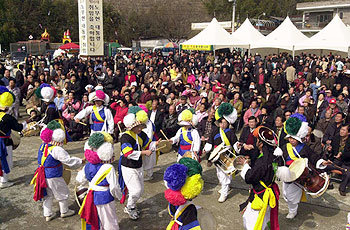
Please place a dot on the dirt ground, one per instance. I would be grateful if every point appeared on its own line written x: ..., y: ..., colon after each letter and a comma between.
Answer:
x: 19, y: 211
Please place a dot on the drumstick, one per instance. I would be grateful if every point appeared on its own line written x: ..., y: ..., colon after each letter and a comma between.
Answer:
x: 82, y: 123
x: 164, y: 135
x: 120, y: 130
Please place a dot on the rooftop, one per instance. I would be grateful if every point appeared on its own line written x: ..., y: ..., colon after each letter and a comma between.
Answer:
x: 323, y: 5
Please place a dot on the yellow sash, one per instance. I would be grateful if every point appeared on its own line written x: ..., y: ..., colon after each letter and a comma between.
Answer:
x: 172, y: 222
x: 99, y: 180
x: 291, y: 152
x: 184, y: 135
x: 294, y: 157
x: 97, y: 114
x: 223, y: 135
x: 133, y: 135
x: 261, y: 204
x: 2, y: 114
x: 43, y: 159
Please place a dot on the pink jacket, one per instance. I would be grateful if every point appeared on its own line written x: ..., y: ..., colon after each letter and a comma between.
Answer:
x: 249, y: 113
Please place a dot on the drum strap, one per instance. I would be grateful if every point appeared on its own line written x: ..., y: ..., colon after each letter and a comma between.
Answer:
x: 177, y: 214
x: 184, y: 135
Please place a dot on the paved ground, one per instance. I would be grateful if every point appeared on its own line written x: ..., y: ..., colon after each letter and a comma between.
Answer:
x: 19, y: 211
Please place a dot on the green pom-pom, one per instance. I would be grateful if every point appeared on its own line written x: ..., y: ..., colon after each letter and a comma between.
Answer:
x: 38, y: 92
x: 192, y: 110
x: 292, y: 126
x: 134, y: 109
x: 193, y: 166
x: 96, y: 140
x: 53, y: 125
x: 225, y: 109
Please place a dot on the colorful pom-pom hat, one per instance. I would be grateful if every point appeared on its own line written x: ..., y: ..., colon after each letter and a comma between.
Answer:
x: 99, y: 95
x: 99, y: 148
x: 188, y: 117
x: 53, y: 133
x: 296, y: 127
x: 136, y: 116
x: 46, y: 92
x: 226, y: 111
x: 183, y: 181
x: 6, y: 98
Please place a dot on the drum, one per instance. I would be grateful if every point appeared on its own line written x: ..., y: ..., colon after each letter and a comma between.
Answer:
x: 224, y: 158
x: 313, y: 182
x: 16, y: 139
x: 206, y: 219
x: 190, y: 154
x: 66, y: 174
x: 33, y: 129
x: 80, y: 192
x: 164, y: 146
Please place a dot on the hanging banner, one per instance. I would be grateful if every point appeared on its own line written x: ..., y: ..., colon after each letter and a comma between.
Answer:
x: 91, y: 27
x: 197, y: 47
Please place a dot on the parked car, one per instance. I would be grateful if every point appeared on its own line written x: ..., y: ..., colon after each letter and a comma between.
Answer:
x: 17, y: 57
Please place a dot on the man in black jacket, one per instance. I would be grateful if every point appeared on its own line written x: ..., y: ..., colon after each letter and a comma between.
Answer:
x: 75, y: 129
x: 110, y: 82
x: 339, y: 153
x: 155, y: 115
x: 170, y: 125
x: 333, y: 129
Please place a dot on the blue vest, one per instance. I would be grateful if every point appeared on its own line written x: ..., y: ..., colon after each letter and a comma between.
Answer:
x: 53, y: 167
x: 96, y: 124
x: 100, y: 197
x: 184, y: 146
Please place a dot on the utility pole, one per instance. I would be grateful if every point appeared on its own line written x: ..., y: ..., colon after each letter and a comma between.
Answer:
x: 233, y: 14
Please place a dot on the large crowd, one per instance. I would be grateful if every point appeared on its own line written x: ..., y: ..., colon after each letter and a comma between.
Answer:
x: 263, y: 90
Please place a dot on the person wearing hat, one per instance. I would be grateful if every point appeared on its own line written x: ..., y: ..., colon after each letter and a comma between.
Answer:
x: 7, y: 122
x: 187, y: 136
x: 297, y: 129
x: 103, y: 184
x: 332, y: 106
x: 101, y: 118
x: 261, y: 206
x: 225, y: 115
x: 184, y: 183
x: 47, y: 94
x: 48, y: 181
x: 134, y: 144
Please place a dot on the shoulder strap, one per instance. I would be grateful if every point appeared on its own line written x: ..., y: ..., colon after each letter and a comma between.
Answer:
x: 184, y: 135
x: 102, y: 176
x: 46, y: 152
x: 224, y: 137
x: 97, y: 114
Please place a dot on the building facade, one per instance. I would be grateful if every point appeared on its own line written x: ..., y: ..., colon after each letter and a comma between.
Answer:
x: 316, y: 15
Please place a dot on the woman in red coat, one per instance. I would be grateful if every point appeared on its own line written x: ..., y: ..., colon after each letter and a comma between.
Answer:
x: 121, y: 110
x: 130, y: 77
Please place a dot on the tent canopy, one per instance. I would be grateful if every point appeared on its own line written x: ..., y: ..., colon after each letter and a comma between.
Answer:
x: 211, y: 38
x: 335, y: 36
x: 246, y: 35
x: 285, y: 36
x: 69, y: 46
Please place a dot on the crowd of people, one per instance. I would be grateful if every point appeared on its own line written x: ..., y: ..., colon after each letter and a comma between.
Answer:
x: 94, y: 95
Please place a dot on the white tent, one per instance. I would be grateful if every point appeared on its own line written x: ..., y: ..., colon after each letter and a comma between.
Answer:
x: 285, y: 36
x: 335, y: 36
x: 213, y: 35
x: 246, y: 35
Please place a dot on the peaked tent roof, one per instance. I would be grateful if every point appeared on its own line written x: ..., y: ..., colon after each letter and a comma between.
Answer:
x: 335, y: 36
x: 246, y: 35
x: 285, y: 36
x: 213, y: 35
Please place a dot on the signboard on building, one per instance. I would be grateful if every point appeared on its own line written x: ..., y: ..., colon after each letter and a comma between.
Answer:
x: 91, y: 27
x: 203, y: 25
x: 197, y: 47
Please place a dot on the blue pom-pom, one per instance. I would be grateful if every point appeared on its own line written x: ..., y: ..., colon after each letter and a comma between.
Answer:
x: 299, y: 116
x: 175, y: 176
x: 3, y: 89
x: 44, y: 85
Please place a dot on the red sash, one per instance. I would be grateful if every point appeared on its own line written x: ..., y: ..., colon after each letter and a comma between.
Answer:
x: 89, y: 211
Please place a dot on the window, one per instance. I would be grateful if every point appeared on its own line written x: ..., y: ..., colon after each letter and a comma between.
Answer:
x: 341, y: 14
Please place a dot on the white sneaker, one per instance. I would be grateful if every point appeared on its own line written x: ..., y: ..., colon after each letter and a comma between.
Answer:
x: 291, y: 215
x: 6, y: 184
x: 132, y: 213
x: 68, y: 213
x: 49, y: 218
x: 222, y: 198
